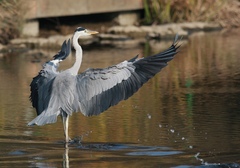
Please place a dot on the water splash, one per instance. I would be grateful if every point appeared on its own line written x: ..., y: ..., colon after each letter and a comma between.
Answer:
x: 79, y: 139
x: 149, y: 116
x: 199, y: 159
x: 131, y: 149
x: 177, y: 136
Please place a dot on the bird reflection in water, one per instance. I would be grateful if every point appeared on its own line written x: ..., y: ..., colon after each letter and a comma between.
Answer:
x: 65, y: 156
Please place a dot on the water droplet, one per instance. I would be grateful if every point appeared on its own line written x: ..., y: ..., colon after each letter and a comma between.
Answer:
x: 197, y: 155
x: 201, y: 160
x: 149, y: 116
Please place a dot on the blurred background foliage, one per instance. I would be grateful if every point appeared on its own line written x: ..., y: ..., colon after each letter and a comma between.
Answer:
x: 165, y: 11
x: 224, y: 12
x: 11, y: 19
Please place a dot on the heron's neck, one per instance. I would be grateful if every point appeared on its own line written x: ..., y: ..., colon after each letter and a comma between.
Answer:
x: 78, y: 61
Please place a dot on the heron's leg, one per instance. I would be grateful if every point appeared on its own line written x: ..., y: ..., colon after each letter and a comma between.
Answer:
x: 65, y: 118
x: 66, y: 129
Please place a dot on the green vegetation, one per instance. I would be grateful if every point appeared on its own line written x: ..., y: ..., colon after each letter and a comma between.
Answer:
x: 167, y: 11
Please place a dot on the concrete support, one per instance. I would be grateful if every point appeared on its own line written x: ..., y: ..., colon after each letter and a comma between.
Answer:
x: 127, y: 18
x: 31, y: 28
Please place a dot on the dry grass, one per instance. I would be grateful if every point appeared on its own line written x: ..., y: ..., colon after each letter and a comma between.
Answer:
x: 227, y: 13
x: 11, y: 19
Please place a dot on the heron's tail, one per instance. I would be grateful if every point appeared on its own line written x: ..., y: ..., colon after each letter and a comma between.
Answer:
x: 43, y: 119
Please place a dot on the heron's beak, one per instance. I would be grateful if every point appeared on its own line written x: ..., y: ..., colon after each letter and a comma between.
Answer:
x: 91, y: 32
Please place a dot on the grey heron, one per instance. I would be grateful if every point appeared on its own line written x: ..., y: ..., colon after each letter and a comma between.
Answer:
x: 55, y: 93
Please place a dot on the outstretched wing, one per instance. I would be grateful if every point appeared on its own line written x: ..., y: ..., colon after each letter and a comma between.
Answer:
x: 99, y: 89
x: 42, y: 83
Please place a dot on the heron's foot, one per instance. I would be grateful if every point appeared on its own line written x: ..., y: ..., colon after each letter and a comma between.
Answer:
x: 76, y: 140
x: 68, y: 140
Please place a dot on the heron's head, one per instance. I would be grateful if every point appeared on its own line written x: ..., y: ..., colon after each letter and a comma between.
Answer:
x: 80, y: 31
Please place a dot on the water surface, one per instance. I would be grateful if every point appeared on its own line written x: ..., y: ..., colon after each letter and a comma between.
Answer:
x: 187, y: 115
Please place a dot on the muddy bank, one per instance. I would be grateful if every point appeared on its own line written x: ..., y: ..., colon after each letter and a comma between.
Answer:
x: 117, y: 36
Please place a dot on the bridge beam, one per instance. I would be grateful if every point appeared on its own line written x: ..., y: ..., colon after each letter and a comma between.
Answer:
x: 37, y: 9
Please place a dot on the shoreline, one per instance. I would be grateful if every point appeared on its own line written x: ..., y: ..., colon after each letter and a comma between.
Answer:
x: 116, y: 35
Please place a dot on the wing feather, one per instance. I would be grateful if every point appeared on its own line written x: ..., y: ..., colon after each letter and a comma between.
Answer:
x: 99, y: 89
x: 41, y: 85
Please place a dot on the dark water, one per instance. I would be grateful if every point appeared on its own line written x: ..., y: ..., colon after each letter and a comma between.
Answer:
x: 188, y: 115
